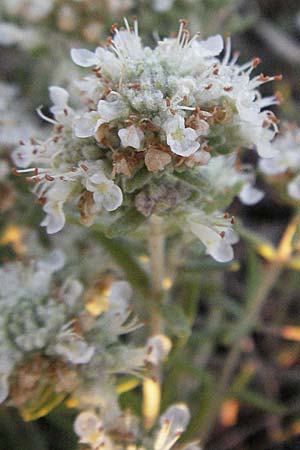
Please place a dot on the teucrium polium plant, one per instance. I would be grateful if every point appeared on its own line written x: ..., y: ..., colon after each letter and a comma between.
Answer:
x: 147, y: 143
x: 152, y: 128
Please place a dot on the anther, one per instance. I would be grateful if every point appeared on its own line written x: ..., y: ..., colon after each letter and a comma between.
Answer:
x: 183, y: 22
x: 256, y: 62
x: 15, y: 172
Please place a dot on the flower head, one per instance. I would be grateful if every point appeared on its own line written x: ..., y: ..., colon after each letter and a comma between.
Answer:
x: 151, y: 132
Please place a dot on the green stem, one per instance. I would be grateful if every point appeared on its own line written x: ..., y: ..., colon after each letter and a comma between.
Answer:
x: 152, y: 386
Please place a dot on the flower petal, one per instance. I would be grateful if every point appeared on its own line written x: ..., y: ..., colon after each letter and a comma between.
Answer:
x: 83, y: 57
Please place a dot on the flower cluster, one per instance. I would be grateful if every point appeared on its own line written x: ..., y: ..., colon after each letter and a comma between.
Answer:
x: 287, y: 162
x: 150, y: 122
x: 172, y: 424
x: 57, y: 341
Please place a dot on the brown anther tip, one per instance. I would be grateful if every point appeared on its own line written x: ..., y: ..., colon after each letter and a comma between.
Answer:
x: 278, y: 77
x: 109, y: 41
x: 134, y: 86
x: 114, y: 27
x: 168, y: 101
x: 33, y: 179
x: 226, y: 215
x: 35, y: 171
x: 21, y: 142
x: 222, y: 234
x: 184, y: 99
x: 263, y: 77
x: 208, y: 86
x: 228, y: 88
x: 84, y: 167
x: 32, y: 141
x: 15, y: 172
x: 184, y: 22
x: 232, y: 220
x: 41, y: 200
x: 256, y: 62
x: 48, y: 177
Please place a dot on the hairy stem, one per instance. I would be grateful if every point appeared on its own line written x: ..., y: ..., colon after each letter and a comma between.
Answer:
x: 152, y: 386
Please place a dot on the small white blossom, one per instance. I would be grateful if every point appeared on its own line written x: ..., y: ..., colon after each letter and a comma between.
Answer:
x: 294, y: 188
x: 172, y: 424
x: 56, y: 197
x: 250, y: 195
x: 216, y: 234
x: 131, y: 137
x: 75, y: 351
x: 60, y: 109
x: 181, y: 140
x: 89, y: 428
x: 287, y: 160
x: 158, y: 348
x: 106, y: 193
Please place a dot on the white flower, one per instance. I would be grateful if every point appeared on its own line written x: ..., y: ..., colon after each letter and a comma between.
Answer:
x: 61, y: 111
x: 131, y: 137
x: 112, y: 108
x: 87, y: 124
x: 84, y: 58
x: 287, y: 146
x: 89, y: 428
x: 181, y: 140
x: 250, y: 195
x: 210, y: 47
x: 106, y: 193
x: 172, y: 424
x: 216, y: 234
x: 119, y: 296
x: 74, y: 350
x: 294, y: 188
x: 56, y: 197
x: 127, y: 43
x: 157, y: 349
